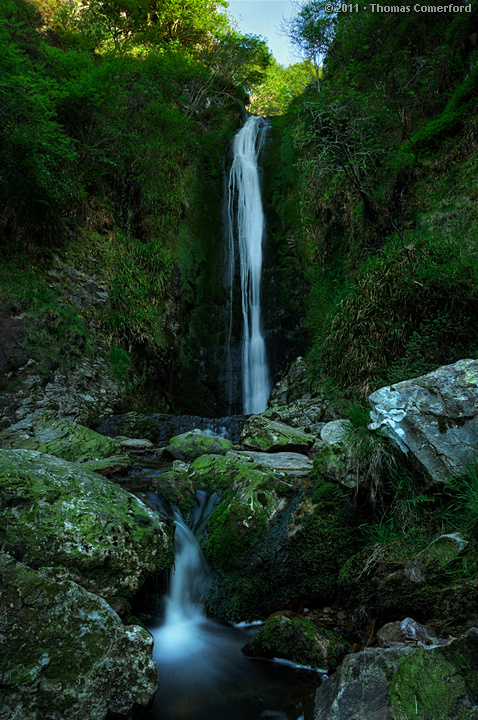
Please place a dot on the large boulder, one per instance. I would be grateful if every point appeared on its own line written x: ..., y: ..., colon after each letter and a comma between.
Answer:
x: 61, y: 437
x: 293, y: 637
x: 434, y: 417
x: 289, y: 462
x: 65, y: 653
x: 85, y: 528
x: 266, y: 435
x: 193, y: 444
x: 406, y: 683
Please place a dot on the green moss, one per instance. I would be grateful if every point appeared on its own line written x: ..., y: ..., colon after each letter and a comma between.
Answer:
x: 427, y: 686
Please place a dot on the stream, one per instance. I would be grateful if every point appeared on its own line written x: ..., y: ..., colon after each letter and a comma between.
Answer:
x: 203, y: 673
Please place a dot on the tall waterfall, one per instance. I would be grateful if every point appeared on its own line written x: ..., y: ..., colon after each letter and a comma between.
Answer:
x: 246, y: 222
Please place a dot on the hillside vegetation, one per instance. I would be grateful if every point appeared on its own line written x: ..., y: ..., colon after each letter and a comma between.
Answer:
x: 114, y: 118
x: 377, y: 187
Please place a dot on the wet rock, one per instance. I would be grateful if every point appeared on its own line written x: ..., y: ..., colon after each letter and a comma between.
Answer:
x: 262, y: 434
x: 404, y: 684
x: 114, y: 465
x: 433, y: 417
x: 291, y: 387
x: 293, y: 637
x: 405, y: 631
x: 45, y: 432
x: 304, y: 413
x: 136, y: 445
x: 65, y: 653
x: 83, y: 527
x: 195, y: 443
x: 137, y: 426
x: 443, y: 549
x: 293, y: 463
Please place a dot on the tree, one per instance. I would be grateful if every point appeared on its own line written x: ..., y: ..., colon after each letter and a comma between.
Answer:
x: 280, y: 87
x: 311, y: 31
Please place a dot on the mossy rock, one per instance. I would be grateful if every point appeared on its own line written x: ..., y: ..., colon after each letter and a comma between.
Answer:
x: 57, y: 436
x: 293, y: 637
x: 55, y: 514
x: 193, y: 444
x: 176, y: 487
x: 135, y: 425
x: 437, y: 683
x: 65, y: 653
x: 295, y: 559
x: 260, y: 433
x: 113, y: 465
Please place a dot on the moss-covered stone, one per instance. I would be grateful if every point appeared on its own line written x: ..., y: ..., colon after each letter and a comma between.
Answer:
x: 85, y: 528
x: 193, y: 444
x: 65, y: 653
x: 176, y: 487
x: 112, y: 465
x: 135, y: 425
x: 293, y: 637
x: 405, y: 684
x: 295, y: 560
x: 260, y: 433
x: 59, y: 437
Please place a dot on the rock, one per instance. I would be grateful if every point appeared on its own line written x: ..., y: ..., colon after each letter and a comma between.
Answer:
x: 303, y: 413
x: 434, y: 417
x: 85, y: 528
x: 136, y: 445
x: 193, y: 444
x: 176, y: 487
x: 406, y: 631
x: 292, y: 386
x: 293, y: 463
x: 280, y: 548
x: 444, y: 548
x: 113, y: 465
x: 45, y: 432
x: 294, y: 637
x: 336, y: 462
x: 65, y: 653
x: 404, y: 684
x: 262, y: 434
x: 335, y: 431
x: 135, y: 425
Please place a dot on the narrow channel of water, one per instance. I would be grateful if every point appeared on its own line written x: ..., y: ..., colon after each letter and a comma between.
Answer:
x: 203, y: 673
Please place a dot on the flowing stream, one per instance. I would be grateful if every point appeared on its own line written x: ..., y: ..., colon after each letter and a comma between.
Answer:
x: 203, y: 674
x: 246, y: 222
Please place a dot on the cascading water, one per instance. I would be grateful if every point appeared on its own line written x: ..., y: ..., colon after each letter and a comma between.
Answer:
x: 246, y: 222
x: 203, y: 674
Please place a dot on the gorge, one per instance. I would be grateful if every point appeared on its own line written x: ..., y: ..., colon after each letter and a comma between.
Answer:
x: 160, y: 173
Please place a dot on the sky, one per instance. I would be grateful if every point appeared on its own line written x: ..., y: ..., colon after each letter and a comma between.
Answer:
x: 262, y: 17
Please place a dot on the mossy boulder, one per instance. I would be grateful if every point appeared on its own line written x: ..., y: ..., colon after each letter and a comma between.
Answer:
x: 85, y: 528
x: 113, y: 465
x: 193, y: 444
x: 260, y: 433
x: 176, y: 487
x: 405, y: 684
x: 57, y: 436
x: 294, y: 637
x: 294, y: 559
x: 65, y: 653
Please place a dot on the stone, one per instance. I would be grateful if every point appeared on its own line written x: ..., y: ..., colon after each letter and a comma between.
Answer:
x: 292, y: 386
x: 136, y: 445
x: 443, y: 549
x: 65, y: 653
x: 114, y: 465
x: 433, y: 417
x: 84, y: 528
x: 408, y: 683
x: 303, y: 413
x: 193, y: 444
x: 293, y: 637
x: 260, y: 433
x: 405, y: 631
x: 293, y: 463
x: 335, y: 431
x: 45, y: 432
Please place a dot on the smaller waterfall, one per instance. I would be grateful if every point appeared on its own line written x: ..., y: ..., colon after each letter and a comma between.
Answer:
x: 246, y: 219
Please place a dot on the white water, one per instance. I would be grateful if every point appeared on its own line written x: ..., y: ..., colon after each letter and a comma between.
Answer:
x: 203, y: 674
x: 246, y: 218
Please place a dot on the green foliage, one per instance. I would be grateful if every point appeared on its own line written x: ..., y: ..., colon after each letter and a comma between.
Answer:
x: 280, y: 86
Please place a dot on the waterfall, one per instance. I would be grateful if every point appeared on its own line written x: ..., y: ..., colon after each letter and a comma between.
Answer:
x: 246, y: 221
